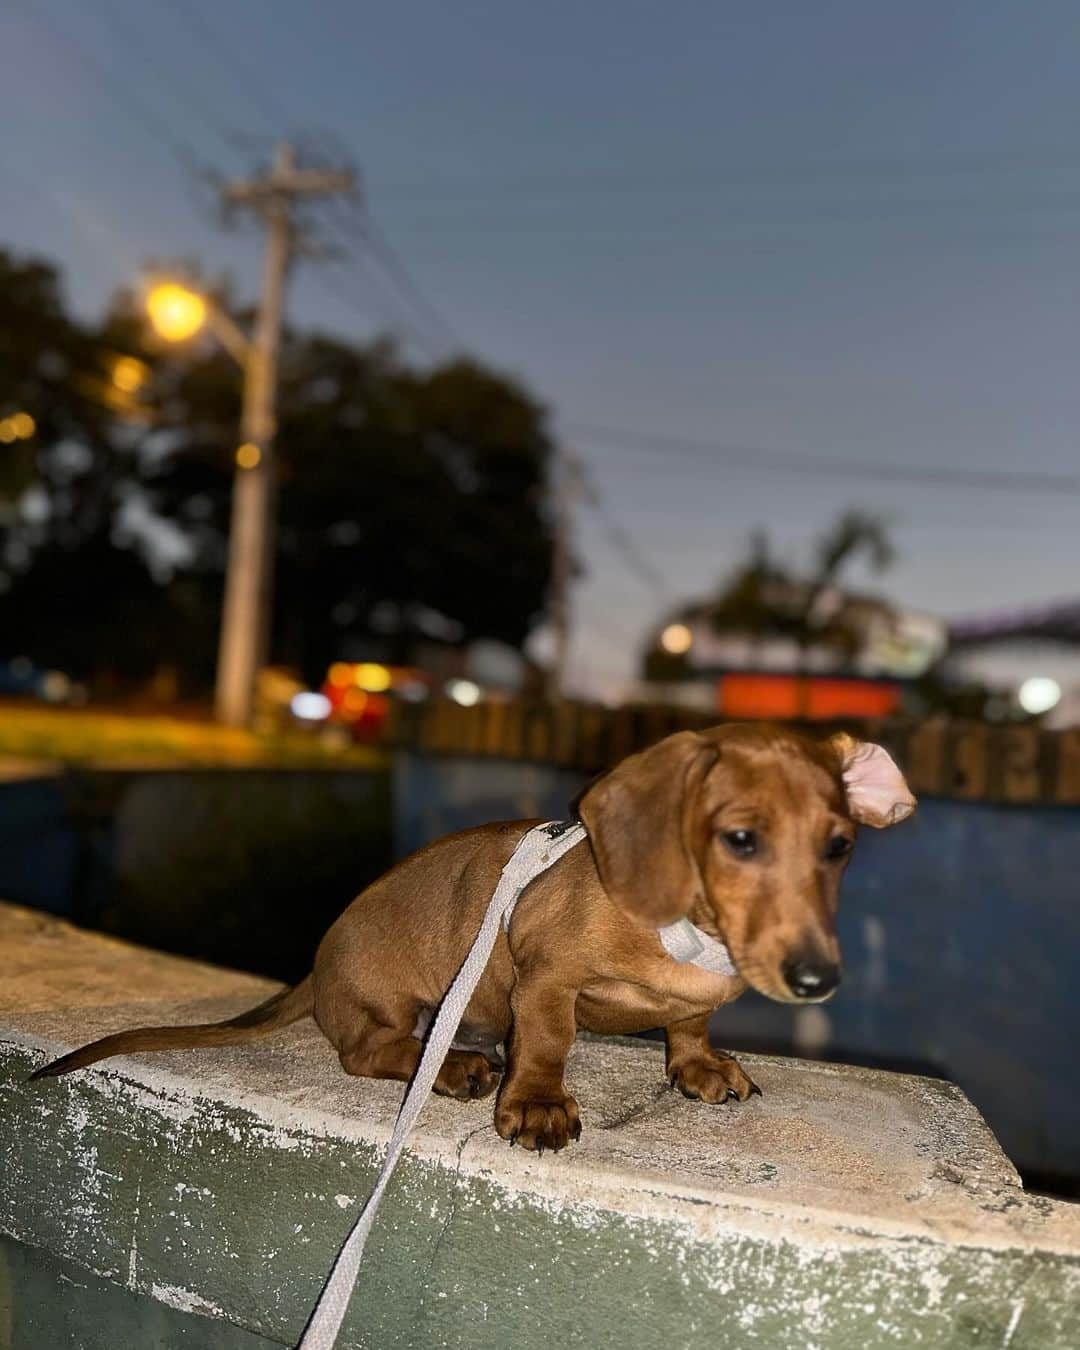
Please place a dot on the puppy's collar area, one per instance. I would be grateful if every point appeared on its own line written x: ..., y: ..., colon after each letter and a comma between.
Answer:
x: 683, y: 941
x: 689, y: 944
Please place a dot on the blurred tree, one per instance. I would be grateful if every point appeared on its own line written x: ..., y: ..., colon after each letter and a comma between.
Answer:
x: 76, y: 592
x: 764, y: 598
x: 411, y: 504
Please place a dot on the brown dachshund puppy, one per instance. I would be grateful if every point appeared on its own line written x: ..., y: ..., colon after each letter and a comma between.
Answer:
x: 746, y: 830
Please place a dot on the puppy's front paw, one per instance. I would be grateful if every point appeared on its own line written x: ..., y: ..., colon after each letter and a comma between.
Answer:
x: 538, y: 1122
x: 712, y: 1078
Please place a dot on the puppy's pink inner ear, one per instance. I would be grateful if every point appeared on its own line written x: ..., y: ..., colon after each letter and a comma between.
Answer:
x: 876, y: 791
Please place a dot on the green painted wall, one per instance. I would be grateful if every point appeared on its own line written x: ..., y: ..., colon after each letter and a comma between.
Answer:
x: 225, y: 1211
x: 47, y: 1304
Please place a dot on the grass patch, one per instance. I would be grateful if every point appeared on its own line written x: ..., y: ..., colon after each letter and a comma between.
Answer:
x: 120, y: 740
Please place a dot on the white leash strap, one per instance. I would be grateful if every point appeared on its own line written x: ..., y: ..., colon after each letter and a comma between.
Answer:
x: 536, y: 852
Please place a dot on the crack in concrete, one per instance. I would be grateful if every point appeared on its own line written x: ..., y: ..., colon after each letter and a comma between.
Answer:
x: 637, y: 1111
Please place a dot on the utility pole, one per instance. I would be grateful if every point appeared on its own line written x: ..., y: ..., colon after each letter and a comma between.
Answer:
x: 567, y: 485
x: 245, y: 629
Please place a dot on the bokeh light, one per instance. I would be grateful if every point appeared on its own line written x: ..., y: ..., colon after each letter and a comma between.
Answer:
x: 374, y: 678
x: 464, y: 692
x: 176, y: 312
x: 676, y: 639
x: 1039, y: 694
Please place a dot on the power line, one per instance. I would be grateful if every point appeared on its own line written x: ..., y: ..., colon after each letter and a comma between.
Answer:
x: 344, y: 292
x: 720, y: 177
x: 620, y: 539
x: 362, y: 229
x: 122, y: 93
x: 149, y: 55
x: 103, y: 234
x: 719, y: 455
x: 628, y: 548
x: 397, y: 270
x: 430, y: 330
x: 254, y: 88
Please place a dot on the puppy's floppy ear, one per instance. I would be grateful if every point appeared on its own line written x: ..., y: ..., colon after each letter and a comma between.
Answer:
x: 875, y: 787
x: 636, y: 817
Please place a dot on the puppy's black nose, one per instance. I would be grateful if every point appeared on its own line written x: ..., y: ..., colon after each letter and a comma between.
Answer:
x: 811, y: 979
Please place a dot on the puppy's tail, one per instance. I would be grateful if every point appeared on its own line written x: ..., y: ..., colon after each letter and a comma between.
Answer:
x: 288, y: 1006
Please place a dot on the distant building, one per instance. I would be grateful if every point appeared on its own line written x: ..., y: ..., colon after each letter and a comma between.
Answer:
x: 787, y: 649
x: 1030, y: 656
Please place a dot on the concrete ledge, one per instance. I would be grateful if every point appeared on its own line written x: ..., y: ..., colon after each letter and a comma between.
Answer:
x: 847, y: 1208
x: 49, y: 963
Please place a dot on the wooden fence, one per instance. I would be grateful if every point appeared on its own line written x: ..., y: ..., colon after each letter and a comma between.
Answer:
x: 959, y: 760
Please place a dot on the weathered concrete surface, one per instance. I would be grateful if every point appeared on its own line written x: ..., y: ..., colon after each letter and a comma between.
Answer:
x: 48, y: 963
x: 46, y: 1304
x: 846, y: 1209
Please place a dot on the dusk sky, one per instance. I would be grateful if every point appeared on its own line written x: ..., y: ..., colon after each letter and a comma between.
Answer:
x: 832, y: 231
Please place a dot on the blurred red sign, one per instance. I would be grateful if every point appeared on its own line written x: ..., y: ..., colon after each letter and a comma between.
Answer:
x: 784, y: 697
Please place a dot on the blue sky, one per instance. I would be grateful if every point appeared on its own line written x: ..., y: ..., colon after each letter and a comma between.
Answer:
x: 842, y: 229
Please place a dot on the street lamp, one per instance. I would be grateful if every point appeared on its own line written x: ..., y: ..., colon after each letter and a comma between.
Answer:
x: 177, y: 314
x: 181, y: 313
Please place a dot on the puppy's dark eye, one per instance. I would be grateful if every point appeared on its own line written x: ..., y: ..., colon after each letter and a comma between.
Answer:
x: 743, y: 843
x: 838, y: 846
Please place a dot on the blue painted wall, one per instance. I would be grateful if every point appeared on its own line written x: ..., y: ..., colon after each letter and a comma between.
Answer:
x: 961, y: 938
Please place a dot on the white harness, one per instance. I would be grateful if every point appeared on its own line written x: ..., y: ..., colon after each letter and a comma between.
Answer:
x: 537, y: 850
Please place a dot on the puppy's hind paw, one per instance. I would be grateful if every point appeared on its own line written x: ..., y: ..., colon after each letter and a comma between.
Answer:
x: 465, y: 1075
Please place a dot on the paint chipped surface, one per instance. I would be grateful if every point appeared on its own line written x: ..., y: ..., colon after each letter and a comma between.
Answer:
x: 184, y: 1300
x: 848, y: 1208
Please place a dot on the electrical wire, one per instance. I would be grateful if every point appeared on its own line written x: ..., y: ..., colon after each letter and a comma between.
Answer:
x: 620, y: 539
x: 255, y: 89
x: 147, y: 54
x: 719, y: 455
x: 120, y: 91
x: 428, y: 327
x: 720, y: 177
x: 362, y: 229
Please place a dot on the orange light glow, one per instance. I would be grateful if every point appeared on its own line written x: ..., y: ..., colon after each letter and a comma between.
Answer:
x: 176, y: 312
x: 354, y: 702
x: 782, y: 697
x: 23, y: 425
x: 341, y: 675
x: 248, y: 455
x: 129, y: 374
x: 374, y: 678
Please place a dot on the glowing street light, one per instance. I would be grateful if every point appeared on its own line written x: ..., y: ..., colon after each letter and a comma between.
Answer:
x: 176, y: 312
